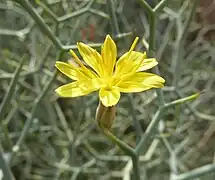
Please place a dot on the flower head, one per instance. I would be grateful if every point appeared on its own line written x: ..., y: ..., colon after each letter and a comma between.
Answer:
x: 106, y: 74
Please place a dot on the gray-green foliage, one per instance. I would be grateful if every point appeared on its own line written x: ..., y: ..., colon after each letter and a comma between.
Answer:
x: 46, y: 137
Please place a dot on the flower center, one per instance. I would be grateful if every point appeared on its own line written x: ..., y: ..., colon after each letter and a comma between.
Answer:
x: 108, y: 88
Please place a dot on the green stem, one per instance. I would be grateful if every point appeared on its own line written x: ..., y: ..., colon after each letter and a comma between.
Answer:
x: 11, y: 90
x: 160, y: 6
x: 7, y: 173
x: 48, y: 10
x: 182, y: 100
x: 179, y: 51
x: 143, y: 144
x: 136, y: 122
x: 114, y: 17
x: 38, y: 19
x: 136, y: 167
x: 152, y: 43
x: 36, y: 104
x: 196, y: 173
x: 152, y: 27
x: 151, y: 53
x: 146, y: 6
x: 128, y: 150
x: 46, y: 30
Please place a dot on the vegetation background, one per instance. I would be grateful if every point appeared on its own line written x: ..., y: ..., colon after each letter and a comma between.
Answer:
x: 44, y: 137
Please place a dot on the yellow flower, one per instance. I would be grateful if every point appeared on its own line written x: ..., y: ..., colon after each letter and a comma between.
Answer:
x: 106, y: 74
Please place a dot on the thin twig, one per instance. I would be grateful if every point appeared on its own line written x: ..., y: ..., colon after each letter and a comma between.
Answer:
x: 11, y: 89
x: 7, y: 173
x: 128, y: 150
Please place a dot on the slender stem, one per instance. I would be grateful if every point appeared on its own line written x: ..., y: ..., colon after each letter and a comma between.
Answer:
x: 196, y: 173
x: 93, y: 45
x: 146, y: 6
x: 39, y: 20
x: 187, y: 23
x: 151, y: 53
x: 72, y: 15
x: 195, y: 112
x: 182, y: 100
x: 152, y: 27
x: 33, y: 112
x: 180, y: 45
x: 48, y: 10
x: 136, y: 167
x: 11, y: 90
x: 34, y: 109
x: 173, y: 158
x: 160, y: 6
x: 4, y: 167
x: 114, y: 17
x: 41, y: 23
x: 136, y: 122
x: 152, y: 43
x: 128, y: 150
x: 142, y: 146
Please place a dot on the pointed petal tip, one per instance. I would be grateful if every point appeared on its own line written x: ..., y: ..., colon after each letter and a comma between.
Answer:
x: 109, y: 55
x: 73, y: 55
x: 57, y: 91
x: 71, y: 51
x: 162, y: 80
x: 78, y: 43
x: 137, y: 38
x: 82, y: 45
x: 108, y: 38
x: 161, y: 84
x: 134, y: 44
x: 58, y: 64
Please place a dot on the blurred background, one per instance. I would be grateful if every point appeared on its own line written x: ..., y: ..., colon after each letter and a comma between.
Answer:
x: 44, y: 137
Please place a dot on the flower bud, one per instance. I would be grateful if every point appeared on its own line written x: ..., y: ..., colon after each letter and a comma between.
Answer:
x: 105, y: 115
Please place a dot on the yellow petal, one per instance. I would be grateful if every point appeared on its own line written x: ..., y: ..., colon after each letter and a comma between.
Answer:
x: 147, y: 64
x: 75, y: 73
x: 140, y: 81
x: 91, y: 57
x: 132, y: 88
x: 109, y: 53
x: 75, y: 89
x: 97, y: 83
x: 109, y: 96
x: 84, y: 73
x: 129, y: 62
x: 67, y: 69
